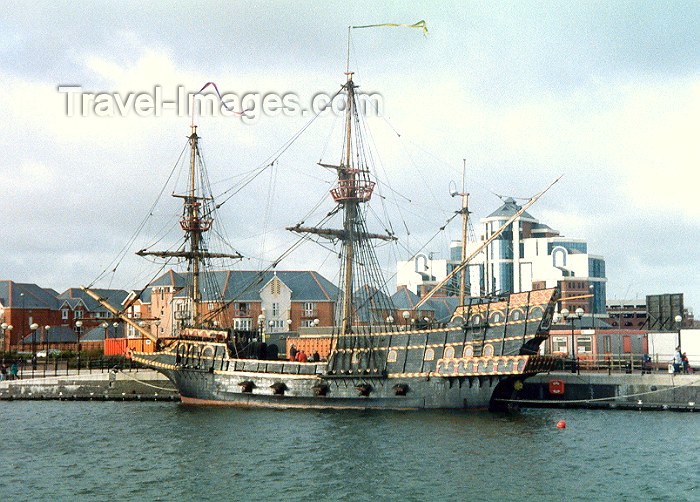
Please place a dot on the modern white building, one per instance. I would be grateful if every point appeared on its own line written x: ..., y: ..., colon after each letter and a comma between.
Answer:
x: 527, y: 255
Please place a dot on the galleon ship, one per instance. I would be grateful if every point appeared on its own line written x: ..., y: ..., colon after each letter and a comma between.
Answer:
x: 478, y: 359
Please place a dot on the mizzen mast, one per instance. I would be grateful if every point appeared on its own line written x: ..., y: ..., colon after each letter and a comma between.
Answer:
x: 465, y: 223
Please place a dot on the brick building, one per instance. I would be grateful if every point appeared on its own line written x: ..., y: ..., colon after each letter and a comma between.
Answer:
x: 287, y: 300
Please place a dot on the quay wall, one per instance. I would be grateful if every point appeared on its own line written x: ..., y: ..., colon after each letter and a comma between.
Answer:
x: 110, y: 386
x: 661, y: 391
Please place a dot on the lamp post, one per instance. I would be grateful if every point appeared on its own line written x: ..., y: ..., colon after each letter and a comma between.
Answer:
x: 406, y: 314
x: 390, y: 320
x: 34, y: 326
x: 678, y: 320
x: 578, y: 314
x: 4, y: 330
x: 46, y: 346
x: 556, y: 318
x: 79, y: 328
x: 261, y: 325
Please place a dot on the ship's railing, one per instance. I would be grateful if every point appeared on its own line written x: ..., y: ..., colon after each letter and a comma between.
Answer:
x: 621, y: 363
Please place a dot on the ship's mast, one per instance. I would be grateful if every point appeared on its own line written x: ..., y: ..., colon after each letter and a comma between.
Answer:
x: 465, y: 222
x: 346, y: 176
x: 353, y: 188
x: 194, y: 223
x: 195, y: 230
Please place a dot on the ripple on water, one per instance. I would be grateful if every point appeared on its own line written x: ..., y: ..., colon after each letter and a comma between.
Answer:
x: 161, y: 451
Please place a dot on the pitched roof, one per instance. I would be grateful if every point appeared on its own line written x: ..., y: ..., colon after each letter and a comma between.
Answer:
x: 114, y: 297
x: 508, y: 209
x: 97, y: 334
x: 26, y: 296
x: 245, y: 285
x: 405, y: 299
x: 444, y: 307
x: 372, y: 304
x: 57, y: 334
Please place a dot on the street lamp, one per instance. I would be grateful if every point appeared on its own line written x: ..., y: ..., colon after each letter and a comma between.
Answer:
x: 34, y: 326
x: 406, y: 314
x: 678, y: 320
x: 4, y: 329
x: 79, y: 326
x: 565, y: 314
x: 390, y: 320
x: 46, y: 342
x: 261, y: 325
x: 6, y: 332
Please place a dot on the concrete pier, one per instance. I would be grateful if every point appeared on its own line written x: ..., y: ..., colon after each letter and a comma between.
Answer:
x: 657, y: 391
x: 143, y: 385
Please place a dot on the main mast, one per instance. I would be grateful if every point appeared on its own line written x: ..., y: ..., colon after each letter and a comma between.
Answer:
x: 346, y: 178
x: 354, y: 187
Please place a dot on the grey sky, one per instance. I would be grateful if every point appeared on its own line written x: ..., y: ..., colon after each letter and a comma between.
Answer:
x: 607, y: 93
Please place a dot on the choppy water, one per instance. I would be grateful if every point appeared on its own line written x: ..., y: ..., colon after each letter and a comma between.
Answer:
x: 165, y: 451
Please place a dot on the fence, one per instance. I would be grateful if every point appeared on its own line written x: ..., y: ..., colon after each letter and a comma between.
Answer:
x: 65, y: 365
x: 621, y: 363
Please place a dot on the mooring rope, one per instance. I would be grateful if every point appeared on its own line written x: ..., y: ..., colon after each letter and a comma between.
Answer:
x: 144, y: 383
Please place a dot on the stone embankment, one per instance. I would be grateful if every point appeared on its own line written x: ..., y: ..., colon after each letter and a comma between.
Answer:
x: 142, y: 385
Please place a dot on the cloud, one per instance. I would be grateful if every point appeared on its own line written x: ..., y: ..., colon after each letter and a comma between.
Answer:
x: 607, y: 95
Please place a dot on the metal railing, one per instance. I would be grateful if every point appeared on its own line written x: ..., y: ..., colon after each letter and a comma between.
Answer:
x: 62, y: 365
x: 621, y: 363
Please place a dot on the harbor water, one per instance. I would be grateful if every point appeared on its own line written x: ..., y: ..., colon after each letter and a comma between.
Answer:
x: 163, y: 451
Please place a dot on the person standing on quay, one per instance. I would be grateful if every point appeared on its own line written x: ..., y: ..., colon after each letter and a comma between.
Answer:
x: 14, y: 370
x: 677, y: 361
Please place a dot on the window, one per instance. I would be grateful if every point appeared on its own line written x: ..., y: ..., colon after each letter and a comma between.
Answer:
x: 607, y: 344
x: 309, y: 309
x: 559, y: 345
x: 78, y: 314
x: 449, y: 352
x: 242, y: 309
x: 275, y: 309
x: 583, y: 345
x: 64, y: 313
x: 276, y: 326
x: 243, y: 324
x: 307, y: 323
x: 392, y: 356
x: 275, y: 287
x: 429, y: 355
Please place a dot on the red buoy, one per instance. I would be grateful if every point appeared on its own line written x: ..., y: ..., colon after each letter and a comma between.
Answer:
x: 561, y: 424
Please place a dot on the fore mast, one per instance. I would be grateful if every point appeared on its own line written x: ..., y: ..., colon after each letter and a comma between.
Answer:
x: 197, y: 219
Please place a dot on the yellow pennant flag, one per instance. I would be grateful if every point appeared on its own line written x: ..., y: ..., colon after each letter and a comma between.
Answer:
x: 419, y: 24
